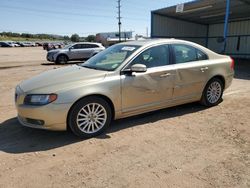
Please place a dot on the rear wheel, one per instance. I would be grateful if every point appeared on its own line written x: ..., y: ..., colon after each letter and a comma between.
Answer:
x: 90, y: 117
x: 213, y: 92
x: 61, y: 59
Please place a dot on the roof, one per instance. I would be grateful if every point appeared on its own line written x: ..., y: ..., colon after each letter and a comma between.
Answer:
x: 208, y: 11
x: 97, y: 43
x: 153, y: 41
x: 145, y: 42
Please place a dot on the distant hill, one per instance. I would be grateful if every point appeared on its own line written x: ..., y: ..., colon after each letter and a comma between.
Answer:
x: 28, y: 36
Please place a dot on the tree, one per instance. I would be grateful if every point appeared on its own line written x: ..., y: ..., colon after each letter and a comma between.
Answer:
x: 75, y: 38
x: 66, y: 38
x: 90, y: 38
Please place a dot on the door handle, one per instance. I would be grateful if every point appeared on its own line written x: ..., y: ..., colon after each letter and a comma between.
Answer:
x: 203, y: 69
x: 165, y: 75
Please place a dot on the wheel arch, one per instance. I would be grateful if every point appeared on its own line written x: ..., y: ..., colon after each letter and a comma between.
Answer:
x: 222, y: 78
x: 62, y: 54
x: 107, y: 99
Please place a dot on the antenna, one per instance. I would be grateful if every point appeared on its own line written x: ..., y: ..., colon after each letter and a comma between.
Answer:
x: 119, y: 18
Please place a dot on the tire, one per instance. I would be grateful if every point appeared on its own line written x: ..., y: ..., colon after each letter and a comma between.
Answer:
x: 212, y: 94
x: 84, y: 122
x: 61, y: 59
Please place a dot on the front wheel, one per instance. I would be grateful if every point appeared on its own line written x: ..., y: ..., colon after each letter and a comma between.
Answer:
x: 212, y: 93
x: 90, y: 117
x: 61, y: 59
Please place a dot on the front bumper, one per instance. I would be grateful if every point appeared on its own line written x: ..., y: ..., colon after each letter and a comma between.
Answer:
x: 51, y: 116
x: 50, y: 57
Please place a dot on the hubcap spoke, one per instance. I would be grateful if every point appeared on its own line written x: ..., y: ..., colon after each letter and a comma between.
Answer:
x: 214, y: 92
x: 91, y: 118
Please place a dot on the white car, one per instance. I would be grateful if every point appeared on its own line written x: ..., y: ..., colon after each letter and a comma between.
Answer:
x: 72, y: 52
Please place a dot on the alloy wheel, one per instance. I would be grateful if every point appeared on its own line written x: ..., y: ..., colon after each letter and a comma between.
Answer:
x: 214, y: 92
x: 91, y: 118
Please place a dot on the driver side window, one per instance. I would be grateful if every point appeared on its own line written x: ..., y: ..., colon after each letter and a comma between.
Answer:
x: 76, y: 46
x: 153, y: 57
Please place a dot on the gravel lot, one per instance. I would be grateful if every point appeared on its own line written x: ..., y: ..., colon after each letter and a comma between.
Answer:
x: 184, y: 146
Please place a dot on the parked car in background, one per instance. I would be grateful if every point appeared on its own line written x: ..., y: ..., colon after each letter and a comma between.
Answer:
x: 124, y: 80
x: 53, y: 45
x: 20, y: 44
x: 5, y: 44
x: 72, y: 52
x: 39, y: 44
x: 46, y: 46
x: 12, y: 44
x: 24, y: 44
x: 15, y: 44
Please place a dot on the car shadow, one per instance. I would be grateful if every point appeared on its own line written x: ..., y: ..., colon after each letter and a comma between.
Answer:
x: 18, y: 139
x: 155, y: 116
x: 69, y: 63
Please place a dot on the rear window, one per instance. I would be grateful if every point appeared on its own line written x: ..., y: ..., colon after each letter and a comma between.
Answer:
x: 185, y: 53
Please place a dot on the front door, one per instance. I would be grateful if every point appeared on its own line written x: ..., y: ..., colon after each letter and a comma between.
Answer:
x: 143, y: 91
x: 75, y: 52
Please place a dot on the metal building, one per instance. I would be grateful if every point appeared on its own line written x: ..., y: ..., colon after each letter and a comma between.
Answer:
x: 110, y: 38
x: 205, y: 22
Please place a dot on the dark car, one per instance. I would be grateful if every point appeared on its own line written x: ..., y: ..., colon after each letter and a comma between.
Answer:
x: 5, y: 44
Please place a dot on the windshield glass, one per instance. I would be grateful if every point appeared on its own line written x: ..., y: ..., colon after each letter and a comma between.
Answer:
x: 67, y: 46
x: 111, y: 58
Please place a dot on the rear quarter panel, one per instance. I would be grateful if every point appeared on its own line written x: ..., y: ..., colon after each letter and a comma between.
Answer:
x: 220, y: 65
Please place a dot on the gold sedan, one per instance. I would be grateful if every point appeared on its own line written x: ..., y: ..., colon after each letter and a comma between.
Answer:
x: 124, y: 80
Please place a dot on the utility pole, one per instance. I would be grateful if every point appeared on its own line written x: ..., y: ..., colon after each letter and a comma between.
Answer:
x: 119, y: 18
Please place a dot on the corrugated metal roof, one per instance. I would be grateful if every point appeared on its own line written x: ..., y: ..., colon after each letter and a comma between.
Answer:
x: 208, y: 11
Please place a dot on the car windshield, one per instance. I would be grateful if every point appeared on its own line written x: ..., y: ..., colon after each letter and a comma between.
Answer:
x: 111, y: 58
x: 67, y: 46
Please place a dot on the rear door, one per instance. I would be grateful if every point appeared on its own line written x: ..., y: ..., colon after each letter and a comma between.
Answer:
x: 192, y: 66
x: 87, y: 50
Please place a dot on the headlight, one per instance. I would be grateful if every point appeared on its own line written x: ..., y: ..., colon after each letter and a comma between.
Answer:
x: 39, y: 100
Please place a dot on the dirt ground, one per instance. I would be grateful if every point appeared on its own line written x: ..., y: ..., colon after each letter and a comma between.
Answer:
x: 184, y: 146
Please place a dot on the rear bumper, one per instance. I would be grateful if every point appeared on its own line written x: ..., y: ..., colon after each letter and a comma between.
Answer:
x: 228, y: 80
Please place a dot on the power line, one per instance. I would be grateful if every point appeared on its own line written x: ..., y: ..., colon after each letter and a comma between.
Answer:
x: 56, y: 12
x: 64, y: 13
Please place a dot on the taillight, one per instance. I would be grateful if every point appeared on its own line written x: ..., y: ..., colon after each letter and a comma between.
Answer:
x: 232, y: 63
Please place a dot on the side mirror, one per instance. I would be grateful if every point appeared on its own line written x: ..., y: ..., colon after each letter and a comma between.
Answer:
x: 138, y: 68
x: 71, y: 48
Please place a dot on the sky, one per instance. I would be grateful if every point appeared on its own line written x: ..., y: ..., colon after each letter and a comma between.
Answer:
x: 84, y: 17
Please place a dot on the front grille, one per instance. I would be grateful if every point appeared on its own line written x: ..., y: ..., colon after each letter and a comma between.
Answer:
x: 34, y: 121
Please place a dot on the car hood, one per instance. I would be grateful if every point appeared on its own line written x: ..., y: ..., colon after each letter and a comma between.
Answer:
x: 58, y: 79
x: 57, y: 50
